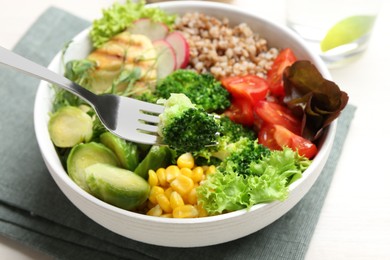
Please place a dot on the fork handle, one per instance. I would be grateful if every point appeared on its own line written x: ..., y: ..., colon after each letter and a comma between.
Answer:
x: 29, y: 67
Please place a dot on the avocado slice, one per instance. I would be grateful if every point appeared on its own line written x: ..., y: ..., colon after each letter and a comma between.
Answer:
x: 117, y: 186
x: 83, y: 155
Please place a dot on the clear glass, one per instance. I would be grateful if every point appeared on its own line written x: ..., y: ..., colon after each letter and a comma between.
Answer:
x: 312, y: 19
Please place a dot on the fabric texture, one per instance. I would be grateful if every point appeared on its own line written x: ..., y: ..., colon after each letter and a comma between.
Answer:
x: 34, y: 212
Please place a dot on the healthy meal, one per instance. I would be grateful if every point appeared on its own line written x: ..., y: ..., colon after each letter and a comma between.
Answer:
x: 242, y: 120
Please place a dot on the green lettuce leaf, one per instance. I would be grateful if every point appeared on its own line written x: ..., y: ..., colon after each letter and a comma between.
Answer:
x: 267, y: 180
x: 120, y: 16
x: 223, y: 193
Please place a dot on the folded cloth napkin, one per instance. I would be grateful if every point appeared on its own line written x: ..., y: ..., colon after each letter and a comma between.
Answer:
x: 34, y: 212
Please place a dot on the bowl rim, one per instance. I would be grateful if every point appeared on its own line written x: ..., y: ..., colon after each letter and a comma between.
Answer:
x: 48, y: 150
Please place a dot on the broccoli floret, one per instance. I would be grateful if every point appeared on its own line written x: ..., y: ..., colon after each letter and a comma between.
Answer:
x: 184, y: 127
x: 234, y: 131
x: 147, y: 96
x: 243, y: 154
x: 231, y: 134
x: 202, y: 89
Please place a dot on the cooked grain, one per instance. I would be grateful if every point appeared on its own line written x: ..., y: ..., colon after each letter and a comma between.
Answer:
x: 223, y: 50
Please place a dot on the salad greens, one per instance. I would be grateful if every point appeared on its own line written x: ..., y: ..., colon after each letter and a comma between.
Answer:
x: 308, y: 93
x: 264, y: 179
x: 247, y: 173
x: 120, y: 16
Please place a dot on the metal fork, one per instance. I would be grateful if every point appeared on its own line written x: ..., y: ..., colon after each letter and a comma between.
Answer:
x: 125, y: 117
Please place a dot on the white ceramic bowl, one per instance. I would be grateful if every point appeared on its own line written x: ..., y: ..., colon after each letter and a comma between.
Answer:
x: 183, y: 232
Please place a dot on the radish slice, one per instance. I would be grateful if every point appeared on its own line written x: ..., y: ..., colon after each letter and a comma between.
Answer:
x: 153, y: 30
x: 166, y: 58
x: 181, y: 47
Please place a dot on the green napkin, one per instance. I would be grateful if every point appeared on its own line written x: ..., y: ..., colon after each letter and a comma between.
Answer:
x: 34, y: 212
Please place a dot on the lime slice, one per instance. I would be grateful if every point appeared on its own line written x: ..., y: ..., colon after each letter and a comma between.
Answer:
x: 347, y: 31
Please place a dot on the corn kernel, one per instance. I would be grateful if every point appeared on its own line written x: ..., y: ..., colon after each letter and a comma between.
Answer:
x: 211, y: 169
x: 164, y: 203
x: 162, y: 176
x: 186, y: 171
x: 176, y: 200
x: 152, y: 179
x: 172, y: 172
x: 192, y: 197
x: 202, y: 211
x: 168, y: 192
x: 186, y: 160
x: 167, y: 215
x: 154, y: 191
x: 155, y: 211
x: 182, y: 184
x: 197, y: 174
x: 185, y: 211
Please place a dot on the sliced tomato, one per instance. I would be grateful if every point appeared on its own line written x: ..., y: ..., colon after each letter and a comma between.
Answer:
x: 240, y: 111
x: 277, y: 114
x: 275, y: 75
x: 275, y: 137
x: 249, y: 87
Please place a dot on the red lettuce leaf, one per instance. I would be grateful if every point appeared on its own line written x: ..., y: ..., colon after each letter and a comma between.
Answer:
x: 317, y: 100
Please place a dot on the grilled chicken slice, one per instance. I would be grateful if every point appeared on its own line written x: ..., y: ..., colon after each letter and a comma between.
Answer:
x: 123, y: 51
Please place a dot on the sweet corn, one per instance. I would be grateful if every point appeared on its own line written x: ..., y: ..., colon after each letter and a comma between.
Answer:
x: 197, y: 174
x: 173, y: 189
x: 162, y: 176
x: 202, y: 212
x: 164, y: 203
x: 152, y: 179
x: 185, y: 211
x: 186, y: 171
x: 171, y: 172
x: 176, y: 200
x: 211, y: 169
x: 155, y: 211
x: 192, y: 198
x: 154, y: 191
x: 186, y: 160
x: 168, y: 192
x: 182, y: 184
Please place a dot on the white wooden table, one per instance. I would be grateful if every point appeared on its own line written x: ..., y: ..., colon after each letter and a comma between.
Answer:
x: 355, y: 220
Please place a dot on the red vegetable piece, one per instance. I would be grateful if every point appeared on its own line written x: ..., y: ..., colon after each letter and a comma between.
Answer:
x: 240, y: 112
x: 249, y: 87
x: 277, y: 114
x: 166, y: 58
x: 275, y: 75
x: 275, y: 137
x: 181, y: 48
x: 153, y: 30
